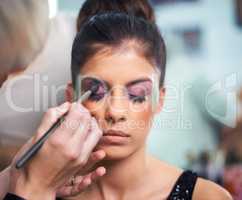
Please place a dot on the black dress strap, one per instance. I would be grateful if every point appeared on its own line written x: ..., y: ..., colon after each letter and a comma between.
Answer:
x: 10, y: 196
x: 184, y: 186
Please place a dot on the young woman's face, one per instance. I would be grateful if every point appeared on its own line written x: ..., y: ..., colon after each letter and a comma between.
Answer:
x: 122, y: 102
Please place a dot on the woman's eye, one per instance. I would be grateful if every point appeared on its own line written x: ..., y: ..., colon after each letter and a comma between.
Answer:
x: 87, y: 84
x: 139, y: 92
x: 137, y: 99
x: 96, y: 97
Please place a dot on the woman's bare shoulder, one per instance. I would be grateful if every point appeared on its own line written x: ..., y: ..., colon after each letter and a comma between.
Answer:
x: 209, y: 190
x: 164, y: 175
x: 204, y: 189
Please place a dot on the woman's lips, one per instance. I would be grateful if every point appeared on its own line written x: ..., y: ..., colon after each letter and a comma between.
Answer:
x: 115, y: 133
x: 114, y: 137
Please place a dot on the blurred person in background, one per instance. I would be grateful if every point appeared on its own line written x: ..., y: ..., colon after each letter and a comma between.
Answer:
x: 23, y: 33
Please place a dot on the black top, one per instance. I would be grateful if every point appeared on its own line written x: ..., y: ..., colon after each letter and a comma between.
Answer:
x: 182, y: 190
x: 12, y: 197
x: 184, y: 186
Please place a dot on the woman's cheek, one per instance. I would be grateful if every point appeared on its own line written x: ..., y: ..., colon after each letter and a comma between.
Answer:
x: 143, y: 122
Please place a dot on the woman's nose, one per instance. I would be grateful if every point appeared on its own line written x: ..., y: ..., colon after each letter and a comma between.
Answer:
x: 113, y: 119
x: 117, y: 106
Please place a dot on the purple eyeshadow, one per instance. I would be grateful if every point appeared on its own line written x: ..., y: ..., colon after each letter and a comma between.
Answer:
x: 136, y: 91
x: 140, y: 89
x: 87, y: 84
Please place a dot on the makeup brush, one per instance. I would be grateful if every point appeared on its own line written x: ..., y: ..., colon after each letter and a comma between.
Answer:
x: 36, y: 147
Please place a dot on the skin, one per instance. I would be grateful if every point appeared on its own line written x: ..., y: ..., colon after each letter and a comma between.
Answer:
x: 131, y: 172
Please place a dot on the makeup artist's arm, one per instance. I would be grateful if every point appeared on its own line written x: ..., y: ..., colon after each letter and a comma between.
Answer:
x: 62, y: 155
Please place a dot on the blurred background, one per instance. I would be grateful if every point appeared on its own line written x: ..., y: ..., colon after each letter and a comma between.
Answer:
x: 200, y: 127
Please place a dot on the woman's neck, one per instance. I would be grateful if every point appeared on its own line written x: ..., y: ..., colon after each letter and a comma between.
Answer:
x: 123, y: 175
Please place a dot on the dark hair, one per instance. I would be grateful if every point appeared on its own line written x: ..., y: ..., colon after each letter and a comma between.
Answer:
x: 139, y: 8
x: 114, y: 30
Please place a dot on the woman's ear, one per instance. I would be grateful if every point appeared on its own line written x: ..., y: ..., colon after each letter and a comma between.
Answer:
x: 69, y: 93
x: 162, y: 92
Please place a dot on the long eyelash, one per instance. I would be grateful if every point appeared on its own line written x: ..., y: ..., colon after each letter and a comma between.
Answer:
x: 96, y: 97
x: 134, y: 98
x: 137, y: 99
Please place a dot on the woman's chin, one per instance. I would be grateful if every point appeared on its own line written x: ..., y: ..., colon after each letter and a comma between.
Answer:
x: 114, y: 152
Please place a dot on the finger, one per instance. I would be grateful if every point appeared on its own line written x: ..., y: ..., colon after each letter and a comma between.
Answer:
x: 92, y: 140
x: 94, y: 158
x: 76, y: 121
x: 64, y: 191
x: 81, y: 133
x: 50, y: 117
x: 74, y: 189
x: 97, y: 155
x: 82, y: 182
x: 99, y: 172
x: 77, y: 179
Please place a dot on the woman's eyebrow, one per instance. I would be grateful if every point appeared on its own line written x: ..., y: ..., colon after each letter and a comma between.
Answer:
x: 130, y: 83
x: 138, y: 81
x: 99, y: 80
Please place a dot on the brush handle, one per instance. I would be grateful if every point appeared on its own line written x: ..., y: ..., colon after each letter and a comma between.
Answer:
x: 36, y: 147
